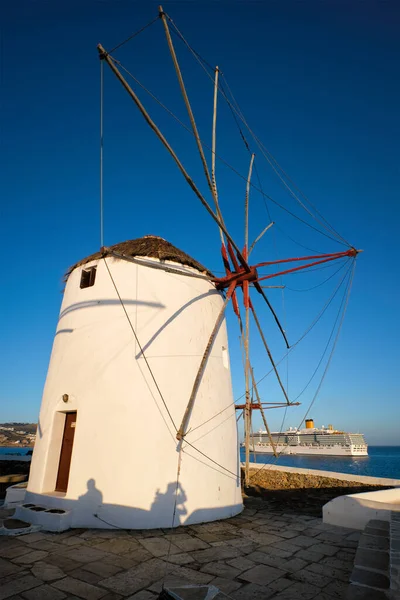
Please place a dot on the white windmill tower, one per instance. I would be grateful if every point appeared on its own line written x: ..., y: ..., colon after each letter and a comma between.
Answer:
x: 133, y: 326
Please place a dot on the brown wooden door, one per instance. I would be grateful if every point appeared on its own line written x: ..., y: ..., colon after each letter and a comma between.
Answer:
x: 66, y: 452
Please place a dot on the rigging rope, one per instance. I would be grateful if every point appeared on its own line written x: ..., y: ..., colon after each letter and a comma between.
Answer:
x: 101, y: 153
x: 296, y: 242
x: 320, y: 268
x: 235, y: 171
x: 268, y: 156
x: 322, y: 357
x: 178, y: 472
x: 210, y: 459
x: 153, y: 377
x: 344, y: 304
x: 306, y: 332
x: 259, y: 181
x: 128, y: 39
x: 345, y: 262
x: 140, y: 347
x: 264, y: 151
x: 280, y: 278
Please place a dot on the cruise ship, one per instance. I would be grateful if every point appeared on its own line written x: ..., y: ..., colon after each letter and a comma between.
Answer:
x: 323, y: 441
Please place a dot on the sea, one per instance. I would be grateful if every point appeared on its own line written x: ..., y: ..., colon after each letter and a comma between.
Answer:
x: 382, y: 461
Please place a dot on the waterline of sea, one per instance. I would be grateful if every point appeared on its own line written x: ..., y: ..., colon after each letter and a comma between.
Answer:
x: 382, y: 461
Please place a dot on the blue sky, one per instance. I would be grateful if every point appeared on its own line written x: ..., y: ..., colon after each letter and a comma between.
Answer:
x: 317, y: 81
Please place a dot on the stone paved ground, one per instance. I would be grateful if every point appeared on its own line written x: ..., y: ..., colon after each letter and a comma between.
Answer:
x: 260, y: 554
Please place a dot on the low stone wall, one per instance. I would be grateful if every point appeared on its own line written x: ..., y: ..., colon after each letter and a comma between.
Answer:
x: 291, y: 478
x: 314, y: 473
x: 8, y: 480
x: 12, y: 472
x: 14, y: 467
x: 303, y: 491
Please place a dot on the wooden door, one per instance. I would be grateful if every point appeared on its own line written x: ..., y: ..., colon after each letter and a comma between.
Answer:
x: 66, y: 452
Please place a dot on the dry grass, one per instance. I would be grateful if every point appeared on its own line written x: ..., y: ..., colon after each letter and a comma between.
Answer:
x: 149, y: 245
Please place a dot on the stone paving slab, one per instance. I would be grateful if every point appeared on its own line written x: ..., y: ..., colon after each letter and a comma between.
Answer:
x: 299, y: 591
x: 46, y: 571
x: 356, y: 592
x: 262, y: 574
x: 136, y: 578
x: 263, y: 553
x: 16, y: 583
x: 44, y: 592
x: 79, y: 588
x: 159, y: 546
x: 102, y: 569
x: 253, y: 591
x: 370, y: 579
x: 143, y: 595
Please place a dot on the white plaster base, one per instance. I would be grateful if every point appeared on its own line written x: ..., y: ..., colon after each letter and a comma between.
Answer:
x: 15, y: 495
x: 355, y: 510
x: 47, y: 520
x: 111, y: 516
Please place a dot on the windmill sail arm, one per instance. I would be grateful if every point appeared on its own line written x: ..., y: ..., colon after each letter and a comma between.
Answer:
x: 269, y: 353
x: 182, y: 429
x: 258, y: 238
x: 211, y: 184
x: 350, y: 253
x: 333, y: 255
x: 104, y: 55
x: 271, y: 308
x: 262, y: 413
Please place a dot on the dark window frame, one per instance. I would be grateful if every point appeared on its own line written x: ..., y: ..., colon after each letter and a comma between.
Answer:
x: 88, y: 277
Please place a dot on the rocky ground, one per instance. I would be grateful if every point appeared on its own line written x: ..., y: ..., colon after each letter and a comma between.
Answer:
x: 299, y: 493
x: 14, y: 467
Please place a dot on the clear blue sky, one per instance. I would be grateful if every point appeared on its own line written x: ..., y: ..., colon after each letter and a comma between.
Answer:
x: 318, y: 82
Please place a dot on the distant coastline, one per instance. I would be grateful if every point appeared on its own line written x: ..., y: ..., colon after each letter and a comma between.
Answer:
x: 17, y: 435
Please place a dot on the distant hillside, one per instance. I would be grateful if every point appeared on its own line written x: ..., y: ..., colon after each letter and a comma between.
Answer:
x: 17, y: 434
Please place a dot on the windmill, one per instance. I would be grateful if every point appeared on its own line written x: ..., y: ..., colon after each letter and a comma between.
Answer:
x: 242, y: 277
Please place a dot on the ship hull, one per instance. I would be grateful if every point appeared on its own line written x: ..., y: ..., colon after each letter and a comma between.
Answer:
x: 310, y: 451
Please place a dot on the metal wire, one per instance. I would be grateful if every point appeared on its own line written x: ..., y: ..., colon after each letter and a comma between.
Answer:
x: 264, y: 151
x: 101, y: 153
x: 128, y: 39
x: 345, y: 262
x: 244, y: 177
x: 308, y: 330
x: 140, y: 347
x: 153, y: 377
x: 210, y: 459
x: 342, y: 309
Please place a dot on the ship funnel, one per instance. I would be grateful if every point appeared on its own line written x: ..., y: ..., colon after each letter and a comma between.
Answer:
x: 330, y: 427
x: 309, y: 423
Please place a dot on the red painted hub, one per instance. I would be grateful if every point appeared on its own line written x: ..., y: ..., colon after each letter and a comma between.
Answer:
x: 239, y: 277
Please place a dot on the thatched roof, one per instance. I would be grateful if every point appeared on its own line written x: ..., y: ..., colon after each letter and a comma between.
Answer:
x: 149, y: 245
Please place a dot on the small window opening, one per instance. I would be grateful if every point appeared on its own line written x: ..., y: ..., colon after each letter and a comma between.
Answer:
x: 88, y: 277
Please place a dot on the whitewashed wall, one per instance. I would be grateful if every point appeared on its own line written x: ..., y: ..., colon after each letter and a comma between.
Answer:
x: 124, y: 462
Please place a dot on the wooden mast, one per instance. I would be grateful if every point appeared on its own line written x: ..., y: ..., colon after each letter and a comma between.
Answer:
x: 213, y: 147
x: 263, y: 413
x: 247, y: 411
x: 190, y: 111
